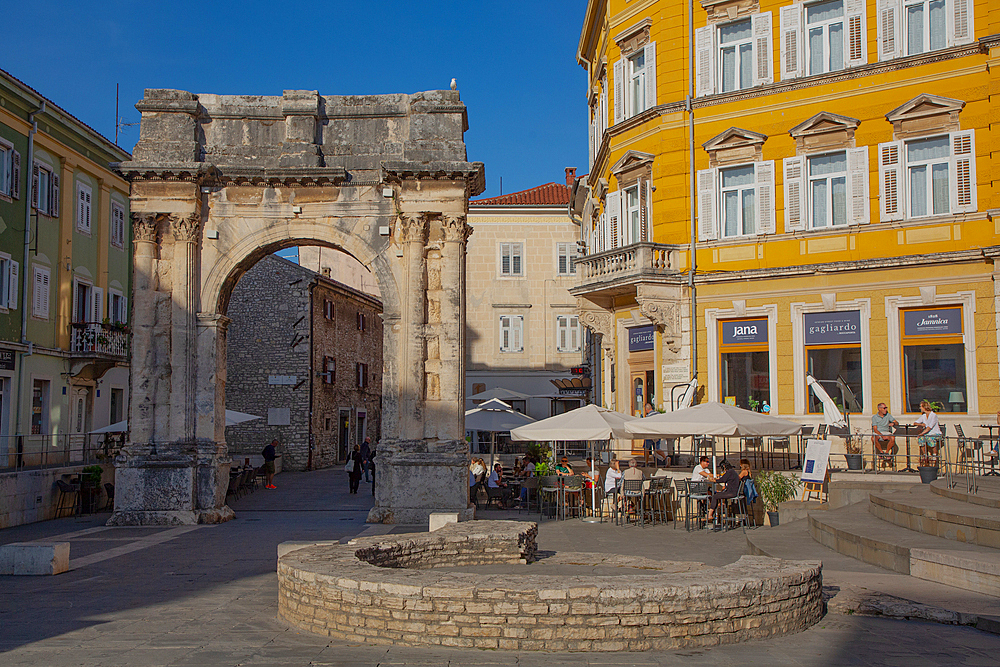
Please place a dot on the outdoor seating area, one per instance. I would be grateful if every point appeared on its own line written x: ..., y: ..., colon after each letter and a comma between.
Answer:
x: 244, y: 479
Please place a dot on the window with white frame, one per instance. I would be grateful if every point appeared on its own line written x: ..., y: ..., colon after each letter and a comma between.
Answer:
x: 362, y: 370
x: 911, y: 27
x: 566, y: 262
x: 733, y: 56
x: 821, y: 37
x: 45, y: 189
x: 736, y: 201
x: 635, y: 83
x: 928, y: 176
x: 633, y: 213
x: 826, y: 189
x: 117, y: 307
x: 511, y: 259
x: 117, y: 225
x: 10, y: 171
x: 568, y: 334
x: 329, y: 370
x: 598, y: 120
x: 40, y: 292
x: 9, y: 270
x: 627, y: 213
x: 88, y: 302
x: 511, y: 333
x: 83, y: 196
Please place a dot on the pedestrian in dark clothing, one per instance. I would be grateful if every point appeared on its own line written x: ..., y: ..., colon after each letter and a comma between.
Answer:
x: 366, y: 459
x: 355, y: 474
x: 270, y: 454
x: 371, y: 463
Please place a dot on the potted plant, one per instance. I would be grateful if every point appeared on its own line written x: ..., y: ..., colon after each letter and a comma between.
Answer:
x: 855, y: 448
x: 775, y: 488
x: 929, y: 471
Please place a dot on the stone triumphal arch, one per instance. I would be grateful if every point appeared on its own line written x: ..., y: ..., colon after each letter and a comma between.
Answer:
x: 218, y: 182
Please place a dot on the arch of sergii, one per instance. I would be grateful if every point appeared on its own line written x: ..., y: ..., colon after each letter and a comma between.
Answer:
x: 217, y: 182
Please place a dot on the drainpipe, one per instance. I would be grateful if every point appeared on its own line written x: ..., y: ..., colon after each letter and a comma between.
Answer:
x: 27, y: 170
x: 310, y: 436
x: 692, y: 194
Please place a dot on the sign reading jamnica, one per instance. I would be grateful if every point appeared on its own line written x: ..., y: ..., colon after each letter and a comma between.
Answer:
x: 744, y: 332
x: 832, y: 328
x: 937, y: 322
x: 640, y: 339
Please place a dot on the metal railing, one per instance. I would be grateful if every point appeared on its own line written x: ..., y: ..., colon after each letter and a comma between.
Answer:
x: 99, y: 338
x: 37, y: 451
x: 638, y: 259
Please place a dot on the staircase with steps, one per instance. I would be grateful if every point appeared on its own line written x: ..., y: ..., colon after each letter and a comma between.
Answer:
x: 928, y: 531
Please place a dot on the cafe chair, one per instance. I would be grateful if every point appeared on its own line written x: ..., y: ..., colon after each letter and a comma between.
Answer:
x: 633, y: 501
x: 109, y: 490
x: 549, y: 488
x: 68, y: 497
x: 572, y: 488
x: 696, y: 498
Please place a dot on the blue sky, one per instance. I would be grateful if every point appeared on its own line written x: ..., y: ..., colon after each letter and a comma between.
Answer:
x: 514, y: 61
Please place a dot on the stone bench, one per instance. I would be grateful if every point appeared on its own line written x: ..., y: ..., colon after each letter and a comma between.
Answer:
x: 32, y: 558
x: 393, y: 589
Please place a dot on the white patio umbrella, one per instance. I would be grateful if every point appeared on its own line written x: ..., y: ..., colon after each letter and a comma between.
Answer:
x: 499, y: 393
x: 494, y: 416
x: 711, y: 419
x: 831, y: 413
x: 688, y: 395
x: 232, y: 417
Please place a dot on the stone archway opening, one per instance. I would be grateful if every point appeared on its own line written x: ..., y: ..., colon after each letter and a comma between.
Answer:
x: 220, y: 181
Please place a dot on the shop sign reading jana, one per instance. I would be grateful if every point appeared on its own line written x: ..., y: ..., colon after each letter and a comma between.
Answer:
x: 744, y: 332
x: 832, y: 328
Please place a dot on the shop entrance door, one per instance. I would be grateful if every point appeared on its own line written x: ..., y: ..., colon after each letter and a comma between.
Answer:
x: 345, y: 434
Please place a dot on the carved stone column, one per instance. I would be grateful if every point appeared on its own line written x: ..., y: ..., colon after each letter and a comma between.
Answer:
x: 142, y: 415
x: 184, y: 309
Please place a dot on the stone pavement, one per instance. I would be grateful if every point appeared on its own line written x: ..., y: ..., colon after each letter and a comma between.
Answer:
x: 208, y: 596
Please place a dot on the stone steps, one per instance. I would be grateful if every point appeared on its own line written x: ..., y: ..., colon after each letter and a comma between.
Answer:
x: 988, y: 494
x: 921, y: 510
x: 855, y: 532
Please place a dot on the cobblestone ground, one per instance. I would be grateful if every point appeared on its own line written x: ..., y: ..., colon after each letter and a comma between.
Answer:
x: 208, y: 596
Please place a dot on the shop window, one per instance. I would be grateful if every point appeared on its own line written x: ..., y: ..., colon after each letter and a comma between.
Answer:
x: 934, y: 358
x: 833, y: 352
x: 744, y: 363
x: 912, y: 27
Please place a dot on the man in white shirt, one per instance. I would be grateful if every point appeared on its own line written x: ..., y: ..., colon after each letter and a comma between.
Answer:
x: 929, y: 436
x: 883, y: 439
x: 703, y: 471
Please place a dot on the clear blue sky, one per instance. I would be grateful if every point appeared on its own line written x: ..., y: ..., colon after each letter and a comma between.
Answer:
x: 514, y: 60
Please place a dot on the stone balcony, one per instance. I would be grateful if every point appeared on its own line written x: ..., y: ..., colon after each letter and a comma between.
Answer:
x: 620, y: 270
x: 96, y: 347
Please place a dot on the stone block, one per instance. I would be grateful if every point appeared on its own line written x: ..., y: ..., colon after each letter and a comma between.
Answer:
x: 34, y: 558
x: 441, y: 519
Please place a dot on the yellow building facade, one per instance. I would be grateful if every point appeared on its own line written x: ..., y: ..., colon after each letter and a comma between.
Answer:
x: 829, y: 167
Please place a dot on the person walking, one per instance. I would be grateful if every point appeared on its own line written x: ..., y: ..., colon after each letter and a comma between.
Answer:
x: 355, y: 470
x: 270, y: 453
x: 366, y: 459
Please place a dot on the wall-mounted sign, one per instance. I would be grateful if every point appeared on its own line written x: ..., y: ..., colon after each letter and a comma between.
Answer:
x: 936, y: 322
x: 640, y: 339
x: 281, y: 379
x: 572, y: 391
x: 6, y: 360
x: 832, y: 328
x: 744, y: 332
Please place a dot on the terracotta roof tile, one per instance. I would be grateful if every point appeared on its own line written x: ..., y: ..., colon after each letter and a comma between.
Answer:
x: 544, y: 195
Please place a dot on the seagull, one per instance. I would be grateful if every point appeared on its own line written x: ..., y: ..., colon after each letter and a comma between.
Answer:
x: 454, y: 84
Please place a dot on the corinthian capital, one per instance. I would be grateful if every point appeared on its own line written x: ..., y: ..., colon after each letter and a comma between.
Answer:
x: 456, y: 229
x: 144, y: 226
x: 185, y: 228
x: 412, y: 227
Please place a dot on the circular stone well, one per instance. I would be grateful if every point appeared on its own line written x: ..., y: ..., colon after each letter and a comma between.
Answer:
x: 423, y: 589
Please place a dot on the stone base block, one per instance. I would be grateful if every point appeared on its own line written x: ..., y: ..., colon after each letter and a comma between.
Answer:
x: 34, y: 558
x: 295, y: 545
x: 170, y: 517
x: 415, y: 516
x: 442, y: 519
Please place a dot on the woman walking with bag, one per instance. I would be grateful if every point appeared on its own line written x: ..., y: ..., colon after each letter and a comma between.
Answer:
x: 353, y: 468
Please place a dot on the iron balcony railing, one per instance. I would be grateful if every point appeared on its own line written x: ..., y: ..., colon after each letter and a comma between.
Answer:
x: 632, y: 261
x: 33, y: 451
x: 100, y: 338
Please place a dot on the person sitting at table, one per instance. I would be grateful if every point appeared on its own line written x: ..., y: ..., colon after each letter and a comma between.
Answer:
x: 731, y: 479
x: 518, y: 466
x: 495, y: 482
x: 633, y: 471
x: 564, y: 469
x: 883, y: 439
x: 929, y: 436
x: 702, y: 471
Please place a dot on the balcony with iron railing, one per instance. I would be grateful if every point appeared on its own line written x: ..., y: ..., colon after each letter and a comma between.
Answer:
x: 99, y: 339
x: 612, y: 270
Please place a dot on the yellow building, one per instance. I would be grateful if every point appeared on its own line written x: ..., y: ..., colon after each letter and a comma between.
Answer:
x: 829, y: 167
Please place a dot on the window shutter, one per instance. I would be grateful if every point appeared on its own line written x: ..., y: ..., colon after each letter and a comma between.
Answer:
x: 856, y: 46
x: 960, y: 23
x: 762, y: 48
x: 794, y: 190
x: 764, y: 172
x: 515, y: 259
x: 97, y: 300
x: 33, y: 197
x: 890, y: 173
x: 704, y: 54
x: 619, y: 74
x: 889, y: 41
x: 124, y: 310
x: 707, y: 204
x: 592, y: 131
x: 15, y: 175
x: 518, y: 330
x: 790, y: 42
x: 649, y: 54
x: 504, y: 334
x: 612, y: 207
x: 574, y: 333
x: 40, y: 298
x: 560, y: 333
x: 643, y: 187
x: 963, y: 189
x: 15, y: 270
x: 54, y: 193
x: 857, y: 185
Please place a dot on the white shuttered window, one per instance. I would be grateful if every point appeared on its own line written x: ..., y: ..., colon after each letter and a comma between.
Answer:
x: 733, y: 56
x: 927, y: 176
x: 117, y: 225
x: 83, y: 196
x: 635, y: 83
x: 911, y: 27
x: 511, y: 333
x: 736, y: 201
x: 511, y: 259
x: 567, y: 333
x: 821, y: 37
x: 40, y: 292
